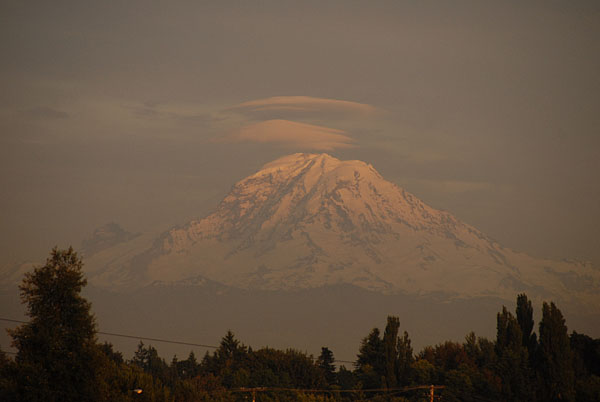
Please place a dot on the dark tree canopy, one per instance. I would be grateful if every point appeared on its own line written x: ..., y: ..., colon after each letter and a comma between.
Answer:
x: 513, y: 359
x: 405, y: 360
x: 524, y: 313
x: 370, y: 361
x: 555, y: 358
x: 325, y: 362
x: 390, y: 342
x: 57, y: 352
x: 385, y: 362
x: 59, y: 359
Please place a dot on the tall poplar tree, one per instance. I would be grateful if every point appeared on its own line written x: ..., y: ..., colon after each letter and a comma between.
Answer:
x: 405, y: 360
x: 513, y: 361
x: 555, y: 366
x: 390, y: 350
x: 524, y: 313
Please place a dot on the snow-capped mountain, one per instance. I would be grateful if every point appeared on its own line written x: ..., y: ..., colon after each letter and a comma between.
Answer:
x: 311, y: 220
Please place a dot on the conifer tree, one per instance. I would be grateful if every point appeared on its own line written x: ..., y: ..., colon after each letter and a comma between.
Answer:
x: 189, y: 366
x: 230, y: 348
x: 57, y: 358
x: 147, y: 358
x: 8, y: 376
x: 325, y: 362
x: 370, y: 363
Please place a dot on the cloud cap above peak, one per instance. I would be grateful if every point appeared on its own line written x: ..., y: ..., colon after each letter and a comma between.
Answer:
x: 282, y: 106
x: 294, y: 135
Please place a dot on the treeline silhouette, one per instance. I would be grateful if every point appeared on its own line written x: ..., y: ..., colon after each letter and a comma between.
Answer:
x: 59, y: 359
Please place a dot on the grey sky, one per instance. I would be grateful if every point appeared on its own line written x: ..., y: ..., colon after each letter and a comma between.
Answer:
x: 126, y: 111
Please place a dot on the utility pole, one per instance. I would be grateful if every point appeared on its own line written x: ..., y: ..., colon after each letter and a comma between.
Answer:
x: 432, y: 389
x: 253, y: 390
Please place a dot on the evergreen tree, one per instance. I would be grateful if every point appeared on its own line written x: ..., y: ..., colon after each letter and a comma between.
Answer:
x: 370, y: 363
x: 107, y: 349
x: 57, y: 355
x: 471, y: 346
x: 346, y: 378
x: 555, y: 365
x: 228, y: 359
x: 230, y: 347
x: 8, y: 376
x: 148, y: 360
x: 325, y: 362
x: 189, y: 367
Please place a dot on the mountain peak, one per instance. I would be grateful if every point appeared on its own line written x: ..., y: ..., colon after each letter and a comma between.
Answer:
x: 294, y: 162
x: 309, y: 170
x: 309, y: 220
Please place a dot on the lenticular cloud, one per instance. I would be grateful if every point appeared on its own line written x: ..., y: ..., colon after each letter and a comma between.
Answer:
x: 295, y: 135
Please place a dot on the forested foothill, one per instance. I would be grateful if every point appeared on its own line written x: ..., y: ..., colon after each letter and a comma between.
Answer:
x: 59, y: 358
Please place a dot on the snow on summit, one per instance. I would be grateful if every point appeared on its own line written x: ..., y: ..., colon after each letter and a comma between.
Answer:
x: 311, y: 220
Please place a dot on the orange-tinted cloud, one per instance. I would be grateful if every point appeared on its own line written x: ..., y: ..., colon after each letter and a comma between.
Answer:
x: 294, y: 134
x: 302, y: 105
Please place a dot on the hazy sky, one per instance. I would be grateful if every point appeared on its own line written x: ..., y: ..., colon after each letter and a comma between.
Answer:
x: 146, y: 114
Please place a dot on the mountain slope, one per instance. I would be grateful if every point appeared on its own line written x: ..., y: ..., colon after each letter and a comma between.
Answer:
x: 104, y: 237
x: 306, y: 220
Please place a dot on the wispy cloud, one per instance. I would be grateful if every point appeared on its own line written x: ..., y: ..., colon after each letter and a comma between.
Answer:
x: 282, y: 106
x: 181, y: 113
x: 43, y: 112
x: 294, y: 135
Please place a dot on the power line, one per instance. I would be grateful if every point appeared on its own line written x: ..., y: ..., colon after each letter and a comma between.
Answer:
x: 132, y: 336
x: 17, y: 321
x: 151, y: 339
x: 343, y: 361
x: 158, y: 340
x: 315, y: 390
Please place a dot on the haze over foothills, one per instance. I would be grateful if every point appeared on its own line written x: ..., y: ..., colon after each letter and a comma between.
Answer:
x: 146, y: 114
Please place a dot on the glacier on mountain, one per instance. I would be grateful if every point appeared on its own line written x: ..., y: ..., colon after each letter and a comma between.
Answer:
x: 311, y: 220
